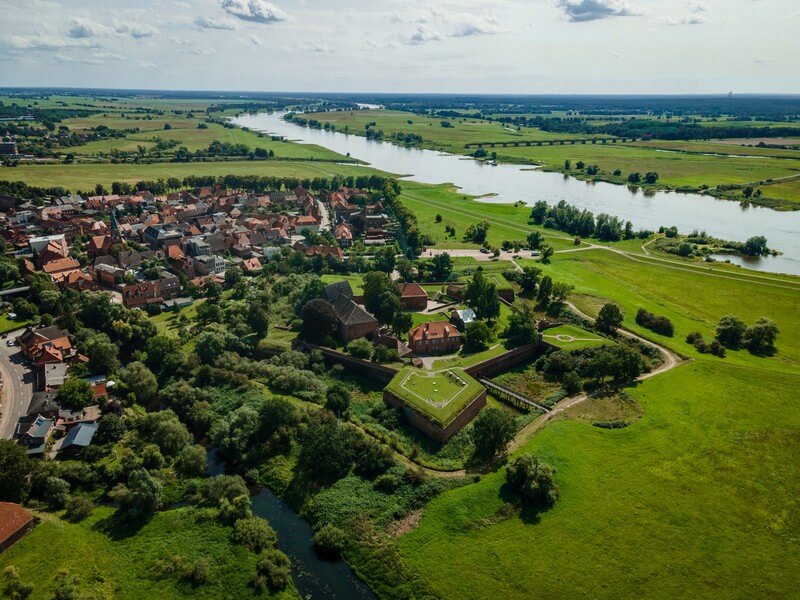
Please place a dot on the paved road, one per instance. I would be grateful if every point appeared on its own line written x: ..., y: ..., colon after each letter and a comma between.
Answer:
x: 17, y: 386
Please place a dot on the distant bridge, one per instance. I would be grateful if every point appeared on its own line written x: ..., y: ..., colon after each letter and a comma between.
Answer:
x: 564, y: 142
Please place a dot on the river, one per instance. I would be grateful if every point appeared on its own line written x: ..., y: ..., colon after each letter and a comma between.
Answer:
x: 509, y: 183
x: 314, y: 577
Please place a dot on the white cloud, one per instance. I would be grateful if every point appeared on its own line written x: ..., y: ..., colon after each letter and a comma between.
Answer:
x: 146, y: 64
x: 212, y: 23
x: 255, y: 40
x: 179, y: 41
x: 108, y: 56
x: 697, y: 16
x: 254, y: 10
x: 423, y: 35
x: 315, y: 47
x: 80, y: 28
x: 44, y: 43
x: 467, y: 25
x: 591, y: 10
x: 134, y: 29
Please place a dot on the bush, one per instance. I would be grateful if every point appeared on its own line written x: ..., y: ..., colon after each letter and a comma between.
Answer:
x: 78, y: 508
x: 730, y: 331
x: 384, y: 354
x: 572, y: 383
x: 660, y: 325
x: 254, y: 533
x: 273, y: 571
x: 330, y: 541
x: 360, y: 348
x: 56, y: 492
x: 491, y: 432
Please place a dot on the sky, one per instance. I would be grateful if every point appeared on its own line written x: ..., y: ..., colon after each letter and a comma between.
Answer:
x: 461, y: 46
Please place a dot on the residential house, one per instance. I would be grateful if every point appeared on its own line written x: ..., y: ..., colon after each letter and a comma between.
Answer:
x: 135, y: 295
x: 45, y: 345
x: 77, y: 439
x: 435, y: 337
x: 209, y: 265
x: 36, y: 436
x: 168, y: 286
x: 354, y: 321
x: 462, y: 318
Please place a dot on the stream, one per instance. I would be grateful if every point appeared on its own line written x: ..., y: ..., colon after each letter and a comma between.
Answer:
x: 510, y: 183
x: 314, y: 577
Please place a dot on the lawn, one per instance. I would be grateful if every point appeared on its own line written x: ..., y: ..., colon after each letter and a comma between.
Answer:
x: 440, y: 395
x: 125, y: 564
x: 356, y: 281
x: 569, y: 337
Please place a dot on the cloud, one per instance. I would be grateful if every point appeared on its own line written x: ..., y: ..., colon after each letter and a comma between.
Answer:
x: 179, y: 41
x: 146, y: 64
x: 44, y: 43
x: 134, y: 29
x: 80, y: 28
x: 255, y: 40
x: 212, y: 23
x: 254, y: 10
x: 108, y: 56
x: 467, y: 25
x: 590, y: 10
x: 423, y: 35
x: 697, y: 16
x: 83, y: 61
x: 320, y: 47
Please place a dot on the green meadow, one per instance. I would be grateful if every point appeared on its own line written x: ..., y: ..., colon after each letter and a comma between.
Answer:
x: 699, y: 494
x: 85, y: 176
x: 130, y: 562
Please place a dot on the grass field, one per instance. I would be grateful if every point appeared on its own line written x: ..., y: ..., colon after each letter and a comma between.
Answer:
x: 125, y: 564
x: 440, y: 395
x: 569, y: 337
x: 85, y: 176
x: 699, y: 494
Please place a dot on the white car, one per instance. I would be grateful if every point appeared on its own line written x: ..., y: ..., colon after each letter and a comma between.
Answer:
x: 10, y: 343
x: 12, y: 315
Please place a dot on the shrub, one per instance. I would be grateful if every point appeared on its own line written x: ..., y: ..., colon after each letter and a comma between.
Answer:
x: 730, y: 331
x: 492, y: 430
x: 273, y: 571
x: 360, y: 348
x: 330, y: 541
x: 254, y: 533
x: 387, y: 483
x: 661, y: 325
x: 572, y: 383
x: 384, y: 354
x: 56, y: 492
x: 78, y: 508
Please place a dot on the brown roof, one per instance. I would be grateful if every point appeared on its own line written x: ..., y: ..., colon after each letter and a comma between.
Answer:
x: 433, y: 330
x: 411, y: 290
x: 12, y: 518
x: 61, y: 264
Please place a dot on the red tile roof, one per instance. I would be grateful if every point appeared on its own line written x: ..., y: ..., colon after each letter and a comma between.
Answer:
x: 12, y: 518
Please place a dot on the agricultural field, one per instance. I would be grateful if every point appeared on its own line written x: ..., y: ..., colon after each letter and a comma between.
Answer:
x: 121, y: 562
x: 85, y: 176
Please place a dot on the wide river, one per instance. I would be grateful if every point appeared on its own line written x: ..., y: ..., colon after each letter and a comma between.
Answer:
x: 509, y: 183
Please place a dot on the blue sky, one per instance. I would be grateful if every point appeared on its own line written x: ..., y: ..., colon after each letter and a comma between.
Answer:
x: 506, y: 46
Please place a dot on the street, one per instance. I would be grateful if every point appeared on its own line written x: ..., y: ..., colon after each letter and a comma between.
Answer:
x: 17, y: 386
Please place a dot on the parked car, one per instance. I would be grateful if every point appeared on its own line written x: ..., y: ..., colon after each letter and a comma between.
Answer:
x: 484, y: 251
x: 10, y: 343
x: 535, y: 253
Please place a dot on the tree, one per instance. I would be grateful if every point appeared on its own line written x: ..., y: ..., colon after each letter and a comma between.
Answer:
x: 384, y: 259
x: 326, y: 452
x: 78, y: 508
x: 103, y: 354
x: 535, y: 238
x: 481, y: 296
x: 164, y: 354
x: 478, y: 336
x: 319, y: 321
x: 379, y: 290
x: 164, y: 429
x: 730, y: 331
x: 75, y: 393
x: 477, y: 232
x: 273, y: 571
x: 528, y: 279
x: 257, y: 319
x: 442, y: 267
x: 405, y: 269
x: 547, y: 252
x: 140, y: 498
x: 545, y: 287
x: 634, y: 177
x: 651, y: 177
x: 759, y: 338
x: 209, y: 345
x: 401, y: 323
x: 233, y: 275
x: 110, y: 428
x: 232, y: 434
x: 360, y: 348
x: 25, y: 310
x: 532, y: 480
x: 492, y: 431
x: 15, y: 466
x: 756, y: 246
x: 191, y: 461
x: 567, y: 165
x: 609, y: 318
x: 572, y: 383
x: 560, y: 293
x: 522, y: 328
x: 337, y: 400
x: 140, y: 381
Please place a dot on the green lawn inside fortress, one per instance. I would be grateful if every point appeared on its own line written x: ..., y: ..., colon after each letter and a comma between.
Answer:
x: 440, y: 395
